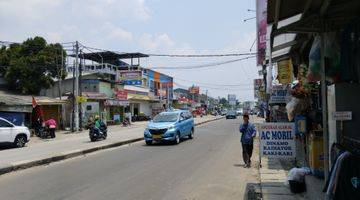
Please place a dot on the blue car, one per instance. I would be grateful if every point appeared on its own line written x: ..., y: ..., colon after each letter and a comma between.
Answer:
x: 170, y: 126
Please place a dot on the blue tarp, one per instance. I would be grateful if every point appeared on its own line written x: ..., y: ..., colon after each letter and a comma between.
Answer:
x: 15, y: 117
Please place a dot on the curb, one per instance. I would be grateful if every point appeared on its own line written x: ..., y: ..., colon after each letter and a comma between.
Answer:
x: 63, y: 156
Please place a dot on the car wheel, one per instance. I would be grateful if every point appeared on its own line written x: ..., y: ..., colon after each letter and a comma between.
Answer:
x: 148, y: 142
x: 191, y: 135
x: 20, y: 141
x: 177, y: 138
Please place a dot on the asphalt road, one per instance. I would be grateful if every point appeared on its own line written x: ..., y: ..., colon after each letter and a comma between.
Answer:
x: 207, y: 167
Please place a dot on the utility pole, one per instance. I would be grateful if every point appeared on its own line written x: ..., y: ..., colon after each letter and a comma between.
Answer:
x: 82, y: 63
x: 60, y: 72
x: 76, y: 92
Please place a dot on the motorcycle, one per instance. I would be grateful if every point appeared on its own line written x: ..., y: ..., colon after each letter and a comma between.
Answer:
x: 126, y: 122
x: 97, y: 133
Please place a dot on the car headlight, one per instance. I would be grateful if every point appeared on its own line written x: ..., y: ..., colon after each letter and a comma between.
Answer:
x: 171, y: 127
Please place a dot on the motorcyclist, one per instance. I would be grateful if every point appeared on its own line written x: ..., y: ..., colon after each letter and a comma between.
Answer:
x: 97, y: 125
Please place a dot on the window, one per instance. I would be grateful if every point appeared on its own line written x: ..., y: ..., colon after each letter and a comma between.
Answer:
x: 88, y: 107
x: 4, y: 124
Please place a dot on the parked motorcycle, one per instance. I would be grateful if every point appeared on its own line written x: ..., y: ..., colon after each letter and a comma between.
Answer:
x: 126, y: 122
x: 97, y: 133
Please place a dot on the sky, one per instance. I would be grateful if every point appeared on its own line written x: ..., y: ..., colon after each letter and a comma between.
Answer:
x: 149, y: 26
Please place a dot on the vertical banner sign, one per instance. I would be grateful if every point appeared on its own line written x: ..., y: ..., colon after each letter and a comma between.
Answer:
x: 277, y: 140
x: 261, y: 25
x: 285, y: 71
x: 257, y: 86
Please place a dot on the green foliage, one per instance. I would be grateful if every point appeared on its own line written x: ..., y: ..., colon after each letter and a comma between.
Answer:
x: 32, y: 65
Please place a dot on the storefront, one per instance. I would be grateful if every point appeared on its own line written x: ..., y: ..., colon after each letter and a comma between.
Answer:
x: 325, y: 63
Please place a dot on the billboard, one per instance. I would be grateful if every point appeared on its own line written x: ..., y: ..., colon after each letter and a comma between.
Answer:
x: 261, y: 26
x: 232, y: 99
x: 194, y: 90
x: 132, y: 77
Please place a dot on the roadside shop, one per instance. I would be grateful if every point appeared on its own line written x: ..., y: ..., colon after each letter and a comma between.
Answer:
x: 320, y: 39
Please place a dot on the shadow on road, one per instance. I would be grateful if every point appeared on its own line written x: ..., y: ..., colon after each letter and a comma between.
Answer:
x: 252, y: 192
x: 239, y: 165
x: 6, y: 147
x: 169, y: 143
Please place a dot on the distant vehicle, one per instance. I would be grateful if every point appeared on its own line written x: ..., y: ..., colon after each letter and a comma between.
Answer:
x: 252, y: 112
x: 223, y: 112
x: 15, y: 135
x: 239, y: 112
x: 170, y: 126
x: 214, y: 113
x: 231, y: 114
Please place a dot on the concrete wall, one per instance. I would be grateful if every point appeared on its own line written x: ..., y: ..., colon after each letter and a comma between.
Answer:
x: 144, y: 107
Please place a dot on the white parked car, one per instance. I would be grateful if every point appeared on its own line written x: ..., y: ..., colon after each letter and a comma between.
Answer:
x: 16, y: 135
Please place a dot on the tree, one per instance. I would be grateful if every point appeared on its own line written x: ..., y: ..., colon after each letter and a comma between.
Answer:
x: 32, y: 65
x: 224, y: 102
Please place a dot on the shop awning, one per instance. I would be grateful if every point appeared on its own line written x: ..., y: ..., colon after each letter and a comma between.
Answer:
x: 115, y: 102
x: 139, y: 97
x: 9, y: 99
x: 95, y: 95
x: 304, y: 17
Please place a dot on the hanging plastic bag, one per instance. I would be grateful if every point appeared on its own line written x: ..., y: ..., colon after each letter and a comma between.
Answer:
x: 290, y: 108
x: 332, y: 54
x: 314, y: 60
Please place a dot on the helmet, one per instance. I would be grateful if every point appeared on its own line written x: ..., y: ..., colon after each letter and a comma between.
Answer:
x: 97, y: 117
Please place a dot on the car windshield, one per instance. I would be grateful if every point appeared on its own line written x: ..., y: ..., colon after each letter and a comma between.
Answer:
x: 166, y: 117
x: 231, y: 112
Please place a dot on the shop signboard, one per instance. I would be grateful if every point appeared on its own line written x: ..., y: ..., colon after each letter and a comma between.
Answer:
x: 130, y: 75
x: 121, y: 94
x: 277, y: 140
x: 81, y: 99
x: 285, y: 71
x: 342, y: 115
x: 194, y: 90
x: 279, y: 94
x: 132, y: 82
x: 261, y: 26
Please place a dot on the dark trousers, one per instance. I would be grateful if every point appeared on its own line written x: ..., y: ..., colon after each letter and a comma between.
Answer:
x: 52, y: 132
x: 247, y: 150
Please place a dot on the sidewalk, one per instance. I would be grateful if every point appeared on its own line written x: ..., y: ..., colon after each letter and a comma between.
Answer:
x: 273, y: 176
x: 65, y: 145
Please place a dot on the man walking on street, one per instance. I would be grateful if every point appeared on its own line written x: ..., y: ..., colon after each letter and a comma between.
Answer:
x: 248, y: 132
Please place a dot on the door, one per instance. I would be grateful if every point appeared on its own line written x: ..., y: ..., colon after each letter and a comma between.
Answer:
x: 189, y: 122
x: 182, y: 124
x: 6, y: 130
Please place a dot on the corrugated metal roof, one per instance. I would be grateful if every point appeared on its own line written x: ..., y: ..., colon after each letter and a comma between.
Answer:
x: 9, y: 98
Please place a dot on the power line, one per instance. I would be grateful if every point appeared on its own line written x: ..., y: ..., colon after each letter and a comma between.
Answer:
x: 184, y: 55
x: 202, y: 55
x: 216, y: 88
x: 210, y: 84
x: 205, y: 65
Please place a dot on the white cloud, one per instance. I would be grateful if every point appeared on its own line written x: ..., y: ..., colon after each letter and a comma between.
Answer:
x: 116, y: 33
x: 156, y: 42
x: 243, y: 44
x: 64, y: 20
